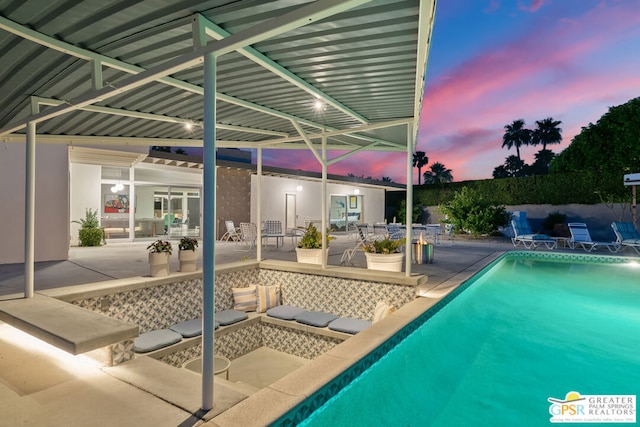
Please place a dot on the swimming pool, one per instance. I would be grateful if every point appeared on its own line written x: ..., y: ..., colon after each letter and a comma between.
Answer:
x: 528, y: 327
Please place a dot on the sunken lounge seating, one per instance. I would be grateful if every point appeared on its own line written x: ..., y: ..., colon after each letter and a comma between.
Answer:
x: 161, y: 338
x: 163, y: 303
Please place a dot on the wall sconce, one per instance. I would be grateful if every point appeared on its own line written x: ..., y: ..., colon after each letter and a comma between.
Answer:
x: 356, y: 191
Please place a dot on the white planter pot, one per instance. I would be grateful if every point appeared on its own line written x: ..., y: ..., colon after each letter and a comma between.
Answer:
x: 310, y: 256
x: 159, y: 264
x: 385, y: 262
x: 187, y: 260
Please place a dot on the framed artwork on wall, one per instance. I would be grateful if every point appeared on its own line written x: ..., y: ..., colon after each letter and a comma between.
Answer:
x: 116, y: 203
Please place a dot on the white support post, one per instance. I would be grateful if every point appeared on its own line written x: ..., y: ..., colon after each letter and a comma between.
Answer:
x: 30, y: 211
x: 259, y: 206
x: 324, y: 201
x: 409, y: 232
x: 132, y: 204
x: 208, y: 230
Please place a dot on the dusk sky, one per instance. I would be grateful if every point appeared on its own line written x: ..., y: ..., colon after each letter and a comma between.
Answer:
x: 494, y: 61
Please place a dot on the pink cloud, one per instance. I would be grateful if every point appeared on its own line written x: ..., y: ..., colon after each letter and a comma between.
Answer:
x: 535, y: 5
x: 545, y: 73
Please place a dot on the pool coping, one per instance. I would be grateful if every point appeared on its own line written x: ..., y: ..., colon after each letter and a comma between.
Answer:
x: 269, y: 404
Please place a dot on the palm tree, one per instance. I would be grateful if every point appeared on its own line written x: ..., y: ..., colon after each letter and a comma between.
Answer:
x: 547, y: 132
x: 438, y: 174
x: 419, y: 161
x: 516, y: 135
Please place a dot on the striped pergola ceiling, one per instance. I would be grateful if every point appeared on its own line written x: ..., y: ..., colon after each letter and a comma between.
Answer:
x: 131, y: 72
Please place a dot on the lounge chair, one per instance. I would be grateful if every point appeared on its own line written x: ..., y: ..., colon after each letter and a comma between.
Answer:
x: 363, y: 239
x: 530, y: 240
x: 231, y: 233
x: 627, y: 235
x: 580, y: 237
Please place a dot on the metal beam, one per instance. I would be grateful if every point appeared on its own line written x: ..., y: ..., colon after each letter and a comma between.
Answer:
x: 157, y: 117
x: 267, y: 63
x: 304, y: 15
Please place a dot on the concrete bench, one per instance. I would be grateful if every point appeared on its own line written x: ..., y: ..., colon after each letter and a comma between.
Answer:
x: 66, y: 326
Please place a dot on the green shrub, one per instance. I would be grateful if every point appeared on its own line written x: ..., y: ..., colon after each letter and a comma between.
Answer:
x: 91, y: 236
x: 471, y: 212
x: 90, y: 233
x: 583, y: 187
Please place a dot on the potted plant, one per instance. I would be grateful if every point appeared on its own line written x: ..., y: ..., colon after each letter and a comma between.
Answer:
x: 159, y: 253
x: 187, y: 254
x: 383, y: 254
x: 309, y: 249
x: 90, y: 233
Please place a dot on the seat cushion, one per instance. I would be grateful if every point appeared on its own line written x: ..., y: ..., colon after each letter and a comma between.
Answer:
x: 228, y: 317
x: 154, y: 340
x: 189, y: 328
x: 316, y: 318
x: 350, y: 325
x: 268, y: 297
x: 285, y: 312
x: 245, y: 299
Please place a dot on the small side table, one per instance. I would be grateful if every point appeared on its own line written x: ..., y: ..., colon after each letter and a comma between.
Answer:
x: 220, y: 365
x: 564, y: 240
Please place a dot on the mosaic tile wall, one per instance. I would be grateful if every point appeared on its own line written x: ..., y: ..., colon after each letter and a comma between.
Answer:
x: 178, y: 358
x: 343, y: 297
x: 239, y: 342
x: 296, y: 342
x: 245, y: 340
x: 159, y: 307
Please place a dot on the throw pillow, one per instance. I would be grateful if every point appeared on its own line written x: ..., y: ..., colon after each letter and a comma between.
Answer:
x: 268, y: 297
x: 245, y: 299
x: 382, y: 310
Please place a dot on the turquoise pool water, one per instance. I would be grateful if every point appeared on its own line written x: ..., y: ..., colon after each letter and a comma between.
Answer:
x: 522, y: 331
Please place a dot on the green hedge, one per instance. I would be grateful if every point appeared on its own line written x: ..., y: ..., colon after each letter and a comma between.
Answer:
x: 555, y: 189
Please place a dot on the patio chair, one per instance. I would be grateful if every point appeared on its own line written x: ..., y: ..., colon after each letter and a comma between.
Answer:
x: 363, y: 239
x: 446, y: 234
x: 395, y: 231
x: 627, y: 235
x: 581, y: 237
x: 530, y: 240
x: 248, y: 236
x: 231, y: 234
x: 272, y: 229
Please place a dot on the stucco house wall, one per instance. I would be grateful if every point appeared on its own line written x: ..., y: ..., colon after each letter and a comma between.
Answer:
x: 309, y: 199
x: 51, y: 206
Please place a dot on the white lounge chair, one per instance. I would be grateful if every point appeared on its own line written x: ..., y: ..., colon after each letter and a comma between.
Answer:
x: 530, y: 240
x: 581, y: 237
x: 363, y: 239
x: 627, y: 235
x: 231, y: 233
